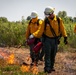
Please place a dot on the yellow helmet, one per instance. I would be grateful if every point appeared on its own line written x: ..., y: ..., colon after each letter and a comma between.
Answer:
x: 34, y: 14
x: 49, y: 10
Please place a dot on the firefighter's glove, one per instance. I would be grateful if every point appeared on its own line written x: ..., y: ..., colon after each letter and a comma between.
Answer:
x: 31, y: 36
x: 65, y: 40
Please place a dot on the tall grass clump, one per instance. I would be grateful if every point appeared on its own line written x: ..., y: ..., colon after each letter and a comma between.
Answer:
x: 71, y: 37
x: 71, y: 34
x: 12, y: 34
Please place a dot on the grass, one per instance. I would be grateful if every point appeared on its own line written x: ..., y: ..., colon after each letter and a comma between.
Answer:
x: 15, y: 70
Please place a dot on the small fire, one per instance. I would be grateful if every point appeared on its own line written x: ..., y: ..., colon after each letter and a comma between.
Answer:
x: 11, y: 59
x: 34, y: 69
x: 25, y: 68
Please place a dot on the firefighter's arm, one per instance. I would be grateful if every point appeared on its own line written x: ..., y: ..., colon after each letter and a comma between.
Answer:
x: 27, y: 32
x: 40, y: 30
x: 63, y: 31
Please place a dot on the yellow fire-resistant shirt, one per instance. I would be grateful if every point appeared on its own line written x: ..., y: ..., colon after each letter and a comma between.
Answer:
x: 55, y: 26
x: 33, y: 28
x: 75, y: 29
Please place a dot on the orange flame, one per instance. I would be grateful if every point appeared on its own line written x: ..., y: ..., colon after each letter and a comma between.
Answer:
x: 11, y: 59
x: 25, y: 68
x: 35, y: 70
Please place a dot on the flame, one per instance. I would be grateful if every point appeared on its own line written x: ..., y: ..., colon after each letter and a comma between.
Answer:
x: 35, y: 70
x: 11, y: 59
x: 25, y: 68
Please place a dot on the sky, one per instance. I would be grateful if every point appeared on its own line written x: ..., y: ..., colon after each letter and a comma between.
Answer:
x: 13, y: 10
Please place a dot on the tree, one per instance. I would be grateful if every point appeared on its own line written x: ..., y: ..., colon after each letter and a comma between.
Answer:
x: 23, y: 20
x: 3, y: 19
x: 74, y: 19
x: 59, y: 14
x: 70, y: 18
x: 62, y: 14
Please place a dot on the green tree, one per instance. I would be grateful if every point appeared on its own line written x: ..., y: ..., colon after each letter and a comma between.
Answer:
x: 62, y: 14
x: 74, y: 19
x: 23, y: 20
x: 3, y: 19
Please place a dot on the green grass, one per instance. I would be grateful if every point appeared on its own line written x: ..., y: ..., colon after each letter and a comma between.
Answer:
x: 15, y: 70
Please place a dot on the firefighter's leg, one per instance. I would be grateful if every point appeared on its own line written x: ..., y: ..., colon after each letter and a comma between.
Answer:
x: 41, y: 55
x: 47, y: 49
x: 36, y: 59
x: 42, y: 50
x: 53, y: 53
x: 32, y: 53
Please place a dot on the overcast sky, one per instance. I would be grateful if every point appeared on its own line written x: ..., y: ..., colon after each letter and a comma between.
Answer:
x: 13, y: 10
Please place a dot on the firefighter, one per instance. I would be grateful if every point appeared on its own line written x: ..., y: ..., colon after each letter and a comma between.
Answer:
x: 51, y: 34
x: 75, y: 29
x: 34, y: 30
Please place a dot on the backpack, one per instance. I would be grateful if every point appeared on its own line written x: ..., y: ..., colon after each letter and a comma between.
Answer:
x: 35, y: 22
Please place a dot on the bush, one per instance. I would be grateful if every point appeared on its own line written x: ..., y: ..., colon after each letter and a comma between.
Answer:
x: 12, y: 34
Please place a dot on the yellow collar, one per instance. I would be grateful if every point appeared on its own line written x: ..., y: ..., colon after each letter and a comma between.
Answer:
x: 55, y: 18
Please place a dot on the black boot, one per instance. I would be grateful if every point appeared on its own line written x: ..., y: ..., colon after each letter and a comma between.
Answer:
x: 47, y: 70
